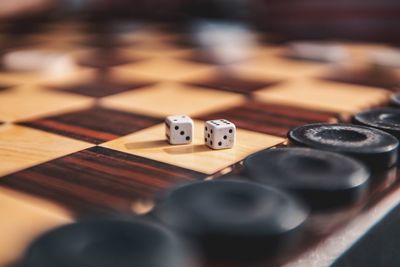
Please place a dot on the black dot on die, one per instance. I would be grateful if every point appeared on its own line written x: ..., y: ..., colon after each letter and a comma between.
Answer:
x: 205, y: 139
x: 210, y: 142
x: 225, y: 136
x: 187, y: 138
x: 208, y: 135
x: 176, y: 127
x: 206, y: 128
x: 220, y: 143
x: 182, y: 132
x: 230, y: 131
x: 211, y: 131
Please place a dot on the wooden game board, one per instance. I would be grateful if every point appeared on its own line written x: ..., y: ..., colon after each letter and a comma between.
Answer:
x: 90, y: 141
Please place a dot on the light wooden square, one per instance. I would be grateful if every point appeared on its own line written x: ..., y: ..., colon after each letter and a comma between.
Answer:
x: 31, y: 102
x: 53, y: 76
x: 361, y: 52
x: 61, y: 36
x: 166, y: 69
x: 156, y: 51
x: 23, y: 147
x: 171, y: 98
x: 326, y: 96
x: 150, y: 143
x: 22, y: 219
x: 273, y: 67
x: 148, y: 35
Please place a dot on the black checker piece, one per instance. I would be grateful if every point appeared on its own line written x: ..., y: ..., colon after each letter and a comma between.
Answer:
x: 234, y: 221
x: 385, y: 119
x: 106, y: 243
x: 324, y: 180
x: 395, y: 100
x: 376, y: 148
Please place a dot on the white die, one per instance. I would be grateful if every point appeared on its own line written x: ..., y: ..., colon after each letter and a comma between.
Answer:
x: 219, y: 134
x: 179, y: 129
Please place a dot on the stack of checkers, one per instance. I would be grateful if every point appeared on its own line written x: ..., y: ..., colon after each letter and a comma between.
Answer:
x: 88, y: 179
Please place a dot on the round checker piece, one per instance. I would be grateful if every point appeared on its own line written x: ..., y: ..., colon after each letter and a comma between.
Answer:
x: 106, y: 243
x: 395, y: 100
x: 324, y: 180
x: 385, y: 119
x: 375, y: 148
x: 234, y: 221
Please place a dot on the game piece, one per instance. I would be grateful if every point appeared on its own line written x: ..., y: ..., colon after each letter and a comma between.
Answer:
x: 107, y: 243
x: 37, y: 60
x: 377, y: 149
x: 317, y: 51
x: 386, y: 57
x: 324, y: 180
x: 233, y: 221
x: 395, y: 100
x: 179, y: 129
x: 219, y: 134
x: 385, y: 119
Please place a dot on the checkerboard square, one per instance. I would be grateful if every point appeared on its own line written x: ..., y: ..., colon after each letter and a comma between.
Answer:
x: 165, y: 69
x: 101, y: 58
x: 4, y: 87
x: 25, y: 218
x: 366, y: 76
x: 22, y: 147
x: 150, y: 143
x: 95, y: 125
x: 226, y: 82
x: 157, y: 50
x: 99, y: 181
x: 148, y: 35
x: 104, y: 83
x: 271, y: 118
x: 51, y: 77
x: 28, y: 103
x: 170, y: 98
x: 326, y: 96
x: 272, y: 67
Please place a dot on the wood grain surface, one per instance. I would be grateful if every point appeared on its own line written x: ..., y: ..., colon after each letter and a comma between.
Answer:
x: 94, y: 125
x: 168, y: 98
x: 270, y: 118
x: 151, y: 143
x: 22, y: 147
x: 327, y: 96
x: 90, y: 141
x: 99, y: 181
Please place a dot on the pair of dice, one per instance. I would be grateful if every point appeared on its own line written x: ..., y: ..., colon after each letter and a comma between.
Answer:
x: 218, y: 134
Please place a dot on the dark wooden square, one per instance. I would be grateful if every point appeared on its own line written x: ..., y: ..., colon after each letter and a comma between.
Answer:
x: 373, y: 76
x: 104, y: 58
x: 95, y: 125
x: 271, y: 118
x: 207, y: 56
x: 102, y: 85
x: 227, y: 82
x: 99, y: 180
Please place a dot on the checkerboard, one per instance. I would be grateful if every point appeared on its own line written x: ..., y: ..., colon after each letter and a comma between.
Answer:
x: 90, y: 141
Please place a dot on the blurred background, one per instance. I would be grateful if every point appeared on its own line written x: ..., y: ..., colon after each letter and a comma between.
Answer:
x: 348, y: 19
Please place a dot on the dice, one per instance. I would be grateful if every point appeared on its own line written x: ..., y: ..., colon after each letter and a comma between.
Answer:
x: 179, y: 129
x: 219, y: 134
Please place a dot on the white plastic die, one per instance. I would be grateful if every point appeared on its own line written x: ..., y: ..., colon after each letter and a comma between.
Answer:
x: 219, y: 134
x: 179, y: 129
